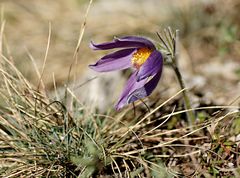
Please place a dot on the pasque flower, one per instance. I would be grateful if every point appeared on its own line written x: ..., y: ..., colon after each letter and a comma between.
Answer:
x: 135, y: 52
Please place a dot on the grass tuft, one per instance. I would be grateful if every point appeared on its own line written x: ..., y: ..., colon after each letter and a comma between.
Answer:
x: 40, y: 137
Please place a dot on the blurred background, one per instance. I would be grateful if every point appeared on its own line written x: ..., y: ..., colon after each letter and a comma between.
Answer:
x: 210, y: 46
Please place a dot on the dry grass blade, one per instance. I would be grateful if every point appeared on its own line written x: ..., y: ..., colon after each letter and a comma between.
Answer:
x: 1, y: 35
x: 185, y: 135
x: 82, y: 29
x: 149, y: 114
x: 160, y: 124
x: 45, y: 59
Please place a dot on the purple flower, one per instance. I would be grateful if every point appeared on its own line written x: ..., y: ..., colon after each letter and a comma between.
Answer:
x: 138, y: 53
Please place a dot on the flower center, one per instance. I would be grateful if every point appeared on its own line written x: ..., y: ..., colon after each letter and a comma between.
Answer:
x: 140, y: 56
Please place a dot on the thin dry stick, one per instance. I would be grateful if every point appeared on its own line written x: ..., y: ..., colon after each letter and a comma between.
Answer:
x: 34, y: 64
x: 81, y: 33
x: 149, y: 114
x: 55, y: 87
x: 161, y: 123
x: 127, y: 167
x: 8, y: 51
x: 82, y: 29
x: 2, y: 29
x: 75, y: 59
x: 1, y: 37
x: 84, y: 83
x: 176, y: 139
x: 183, y: 111
x: 45, y: 58
x: 200, y: 108
x: 120, y: 174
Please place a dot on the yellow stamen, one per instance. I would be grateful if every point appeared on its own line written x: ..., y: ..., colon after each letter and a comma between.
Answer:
x: 140, y: 56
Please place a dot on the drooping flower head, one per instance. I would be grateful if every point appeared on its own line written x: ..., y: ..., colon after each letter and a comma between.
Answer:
x: 135, y: 52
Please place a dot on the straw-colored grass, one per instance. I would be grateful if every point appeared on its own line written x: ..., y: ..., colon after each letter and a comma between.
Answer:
x: 41, y: 138
x: 59, y: 136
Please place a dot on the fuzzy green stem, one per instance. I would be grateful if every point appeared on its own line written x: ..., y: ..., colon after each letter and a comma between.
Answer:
x: 187, y: 103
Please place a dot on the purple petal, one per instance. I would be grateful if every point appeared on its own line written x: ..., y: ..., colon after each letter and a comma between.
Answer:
x: 146, y: 90
x: 130, y: 86
x: 125, y: 42
x: 115, y: 61
x: 145, y: 41
x: 153, y: 64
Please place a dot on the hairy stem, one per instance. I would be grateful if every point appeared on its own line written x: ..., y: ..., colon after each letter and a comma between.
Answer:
x: 187, y: 103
